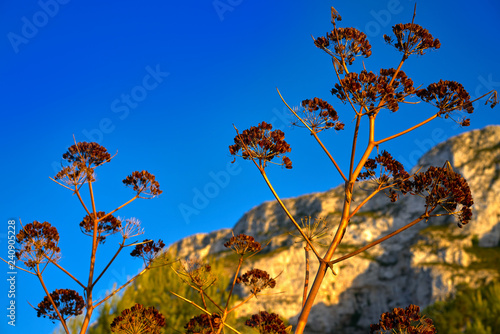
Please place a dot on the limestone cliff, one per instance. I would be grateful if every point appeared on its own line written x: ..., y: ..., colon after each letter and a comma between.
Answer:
x: 420, y: 266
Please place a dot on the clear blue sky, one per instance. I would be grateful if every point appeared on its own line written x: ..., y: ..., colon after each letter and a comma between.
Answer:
x: 162, y: 82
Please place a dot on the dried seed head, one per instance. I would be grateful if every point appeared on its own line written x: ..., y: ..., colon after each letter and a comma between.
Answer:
x: 68, y: 302
x: 261, y: 144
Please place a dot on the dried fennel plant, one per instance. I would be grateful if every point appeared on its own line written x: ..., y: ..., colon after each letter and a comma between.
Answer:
x: 198, y: 275
x: 37, y: 242
x: 368, y: 94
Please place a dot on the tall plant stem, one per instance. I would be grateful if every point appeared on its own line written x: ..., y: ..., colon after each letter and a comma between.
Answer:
x: 306, y: 279
x: 88, y: 290
x: 324, y: 263
x: 234, y: 281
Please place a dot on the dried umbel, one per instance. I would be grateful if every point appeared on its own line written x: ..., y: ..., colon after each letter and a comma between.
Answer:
x: 203, y: 324
x: 131, y: 227
x: 267, y: 323
x: 138, y: 320
x: 107, y: 226
x: 143, y: 183
x: 261, y: 144
x: 314, y: 228
x: 447, y: 96
x: 412, y: 39
x: 344, y: 44
x: 257, y: 279
x: 68, y: 302
x: 92, y: 154
x: 368, y: 89
x: 403, y: 321
x: 83, y: 159
x: 439, y: 186
x: 319, y: 115
x: 37, y: 242
x: 391, y: 170
x: 148, y: 250
x: 197, y: 274
x: 243, y: 244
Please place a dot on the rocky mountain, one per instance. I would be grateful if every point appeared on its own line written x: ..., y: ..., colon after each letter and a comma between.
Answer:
x: 420, y: 266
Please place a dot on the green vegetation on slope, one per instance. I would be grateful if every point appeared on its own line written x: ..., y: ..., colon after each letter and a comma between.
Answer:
x: 471, y: 311
x: 153, y: 289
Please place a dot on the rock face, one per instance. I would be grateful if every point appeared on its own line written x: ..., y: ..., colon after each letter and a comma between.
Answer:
x: 419, y: 266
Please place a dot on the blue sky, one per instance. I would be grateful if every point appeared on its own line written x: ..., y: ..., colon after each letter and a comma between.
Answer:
x: 162, y: 83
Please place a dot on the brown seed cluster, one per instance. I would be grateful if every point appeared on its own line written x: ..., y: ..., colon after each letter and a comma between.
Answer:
x: 106, y: 227
x: 267, y: 323
x: 412, y: 39
x: 143, y: 183
x: 138, y: 320
x: 261, y: 144
x: 83, y: 159
x: 392, y: 170
x: 445, y: 188
x: 203, y: 324
x: 404, y: 321
x: 92, y: 154
x: 368, y: 89
x: 447, y: 96
x: 243, y: 244
x: 344, y: 43
x: 35, y: 240
x: 148, y: 250
x: 257, y: 279
x: 319, y: 115
x: 197, y: 273
x: 68, y: 302
x: 440, y: 186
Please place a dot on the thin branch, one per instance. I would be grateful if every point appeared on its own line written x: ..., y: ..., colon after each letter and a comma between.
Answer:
x: 118, y: 208
x: 15, y: 266
x: 304, y: 236
x: 241, y: 303
x: 315, y: 136
x: 121, y: 287
x: 376, y: 242
x: 234, y: 281
x: 59, y: 183
x: 64, y: 270
x: 77, y: 192
x: 109, y: 263
x: 63, y: 322
x: 378, y: 142
x: 202, y: 309
x: 263, y: 173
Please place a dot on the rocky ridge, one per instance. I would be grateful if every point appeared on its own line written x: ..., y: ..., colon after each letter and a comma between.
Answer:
x: 421, y: 265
